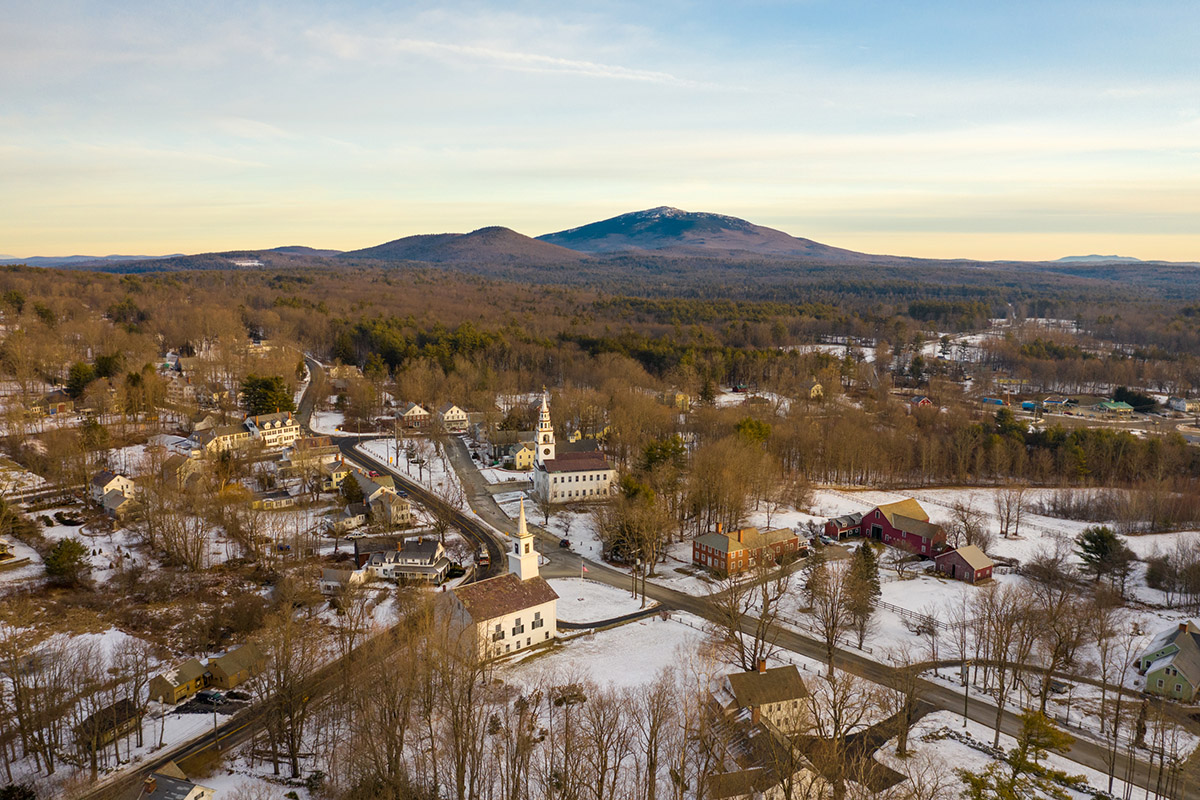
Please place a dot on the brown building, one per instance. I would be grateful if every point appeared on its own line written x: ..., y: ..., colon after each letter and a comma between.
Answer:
x: 179, y: 683
x: 235, y: 667
x: 967, y: 563
x: 741, y: 550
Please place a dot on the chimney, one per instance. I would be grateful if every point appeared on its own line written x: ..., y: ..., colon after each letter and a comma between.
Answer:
x: 762, y: 665
x: 1183, y: 627
x: 739, y: 535
x: 754, y: 715
x: 400, y: 544
x: 718, y: 529
x: 149, y: 785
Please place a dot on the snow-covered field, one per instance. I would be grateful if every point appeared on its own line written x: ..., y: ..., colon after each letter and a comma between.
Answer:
x: 945, y: 754
x: 629, y: 655
x: 498, y: 475
x: 582, y: 600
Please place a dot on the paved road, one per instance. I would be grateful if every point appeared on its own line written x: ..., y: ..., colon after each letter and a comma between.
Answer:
x: 945, y: 697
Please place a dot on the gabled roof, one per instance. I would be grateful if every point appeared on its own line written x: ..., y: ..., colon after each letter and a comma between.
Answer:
x: 976, y: 559
x: 502, y: 595
x: 577, y: 462
x: 1186, y: 657
x: 410, y: 407
x: 447, y: 407
x: 259, y: 420
x: 909, y: 508
x: 848, y: 520
x: 186, y: 672
x: 753, y: 689
x: 917, y: 527
x: 103, y: 478
x: 247, y: 657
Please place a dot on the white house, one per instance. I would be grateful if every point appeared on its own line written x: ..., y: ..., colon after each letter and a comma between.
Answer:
x: 513, y: 611
x: 417, y: 559
x: 107, y: 481
x: 568, y: 477
x: 274, y: 430
x: 452, y: 418
x: 335, y: 581
x: 1187, y: 405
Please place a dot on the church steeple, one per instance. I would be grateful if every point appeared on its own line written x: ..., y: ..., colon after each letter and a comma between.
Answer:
x: 523, y: 559
x: 545, y: 432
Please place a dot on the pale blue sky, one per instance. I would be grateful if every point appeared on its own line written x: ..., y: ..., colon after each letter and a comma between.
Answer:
x: 1017, y: 130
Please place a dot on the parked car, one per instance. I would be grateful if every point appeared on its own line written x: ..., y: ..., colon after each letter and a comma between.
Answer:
x: 210, y: 696
x: 564, y: 542
x: 826, y: 540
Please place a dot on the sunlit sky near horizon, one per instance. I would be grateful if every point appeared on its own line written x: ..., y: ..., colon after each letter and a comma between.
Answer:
x: 1013, y: 130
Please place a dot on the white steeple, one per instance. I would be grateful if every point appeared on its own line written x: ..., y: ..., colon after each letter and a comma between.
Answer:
x: 545, y: 432
x: 523, y: 559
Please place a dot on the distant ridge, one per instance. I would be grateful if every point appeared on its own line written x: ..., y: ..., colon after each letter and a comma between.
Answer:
x: 1095, y: 259
x: 486, y: 245
x: 301, y: 250
x: 62, y: 261
x: 671, y: 230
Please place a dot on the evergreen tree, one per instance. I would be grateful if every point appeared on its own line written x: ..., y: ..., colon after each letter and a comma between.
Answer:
x: 266, y: 394
x: 79, y: 376
x: 1104, y: 554
x: 65, y: 562
x: 351, y: 491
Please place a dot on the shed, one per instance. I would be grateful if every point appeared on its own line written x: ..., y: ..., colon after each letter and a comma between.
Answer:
x: 967, y: 563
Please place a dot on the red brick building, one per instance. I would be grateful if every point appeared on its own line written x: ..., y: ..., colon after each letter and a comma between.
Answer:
x: 903, y: 523
x: 967, y: 563
x: 735, y: 552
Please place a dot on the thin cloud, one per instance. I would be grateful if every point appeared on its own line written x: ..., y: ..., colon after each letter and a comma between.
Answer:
x: 351, y: 47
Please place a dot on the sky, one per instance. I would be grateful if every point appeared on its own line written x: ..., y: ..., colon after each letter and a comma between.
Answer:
x: 1006, y: 130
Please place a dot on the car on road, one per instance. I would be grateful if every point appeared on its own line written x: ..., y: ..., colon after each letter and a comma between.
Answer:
x: 564, y: 542
x: 373, y: 474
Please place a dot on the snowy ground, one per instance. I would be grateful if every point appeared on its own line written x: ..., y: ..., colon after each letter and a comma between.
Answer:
x: 498, y: 475
x: 946, y: 754
x: 626, y: 656
x: 590, y: 601
x: 434, y: 472
x: 15, y: 479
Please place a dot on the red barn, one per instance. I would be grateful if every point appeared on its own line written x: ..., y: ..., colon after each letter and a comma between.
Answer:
x: 967, y: 563
x: 903, y: 521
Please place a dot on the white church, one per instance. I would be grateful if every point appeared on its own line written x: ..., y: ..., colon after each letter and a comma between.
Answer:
x: 513, y: 611
x: 568, y: 477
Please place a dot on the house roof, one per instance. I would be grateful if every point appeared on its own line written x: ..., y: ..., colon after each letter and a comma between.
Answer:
x: 114, y: 499
x: 742, y: 783
x: 502, y: 595
x: 354, y: 510
x: 265, y: 419
x: 909, y: 508
x: 753, y: 689
x: 103, y: 477
x: 246, y: 657
x: 751, y: 539
x: 446, y: 407
x: 186, y: 672
x: 918, y: 527
x: 341, y: 576
x: 168, y: 787
x: 976, y: 559
x: 581, y: 446
x: 110, y: 717
x: 1186, y: 657
x: 577, y: 462
x: 410, y: 407
x: 848, y: 520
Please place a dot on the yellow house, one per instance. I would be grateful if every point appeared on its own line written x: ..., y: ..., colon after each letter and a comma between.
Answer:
x: 524, y: 458
x: 179, y: 683
x: 811, y: 390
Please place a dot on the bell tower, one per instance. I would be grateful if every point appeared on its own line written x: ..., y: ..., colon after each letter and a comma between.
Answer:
x: 545, y: 432
x: 523, y: 558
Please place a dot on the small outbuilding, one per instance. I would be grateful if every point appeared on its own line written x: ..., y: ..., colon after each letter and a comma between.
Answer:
x: 967, y: 563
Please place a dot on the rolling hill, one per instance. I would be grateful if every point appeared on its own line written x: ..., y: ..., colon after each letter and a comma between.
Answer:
x: 494, y: 245
x: 668, y: 230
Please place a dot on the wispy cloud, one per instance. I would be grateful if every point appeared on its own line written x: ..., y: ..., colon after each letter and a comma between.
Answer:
x: 354, y: 47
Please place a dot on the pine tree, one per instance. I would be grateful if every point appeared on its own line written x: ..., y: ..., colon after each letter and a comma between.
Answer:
x: 65, y: 562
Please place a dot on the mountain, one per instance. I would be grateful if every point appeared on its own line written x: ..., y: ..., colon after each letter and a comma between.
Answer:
x: 301, y: 250
x: 62, y: 261
x: 670, y: 230
x: 1094, y: 259
x: 486, y: 245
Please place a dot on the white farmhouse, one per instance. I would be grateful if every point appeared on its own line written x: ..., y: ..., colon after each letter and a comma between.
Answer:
x: 106, y: 481
x: 513, y: 611
x: 274, y: 430
x: 568, y: 477
x: 452, y: 418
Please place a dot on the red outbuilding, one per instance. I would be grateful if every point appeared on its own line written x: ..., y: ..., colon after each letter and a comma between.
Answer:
x: 967, y: 563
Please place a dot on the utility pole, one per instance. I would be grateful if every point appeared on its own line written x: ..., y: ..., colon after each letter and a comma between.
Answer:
x: 966, y: 674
